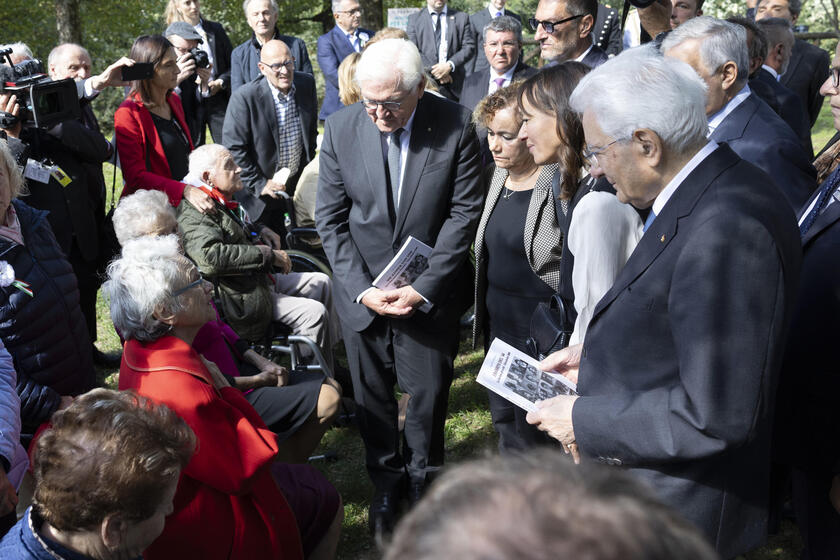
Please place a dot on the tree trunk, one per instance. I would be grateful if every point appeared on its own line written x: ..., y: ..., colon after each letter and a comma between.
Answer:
x: 67, y: 21
x: 372, y: 18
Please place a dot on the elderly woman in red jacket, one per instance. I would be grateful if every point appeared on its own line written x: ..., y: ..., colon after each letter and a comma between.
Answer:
x: 153, y: 139
x: 234, y: 499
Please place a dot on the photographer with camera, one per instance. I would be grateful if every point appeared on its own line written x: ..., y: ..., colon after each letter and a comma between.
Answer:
x: 64, y: 165
x: 193, y: 77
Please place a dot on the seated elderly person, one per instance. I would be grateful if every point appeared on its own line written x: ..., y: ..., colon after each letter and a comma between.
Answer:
x: 234, y: 499
x: 223, y: 246
x: 106, y: 473
x: 41, y: 322
x: 300, y: 408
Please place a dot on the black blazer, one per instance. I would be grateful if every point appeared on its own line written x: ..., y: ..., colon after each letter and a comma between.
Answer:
x: 250, y: 133
x: 222, y: 49
x: 440, y: 203
x: 807, y: 432
x: 477, y: 22
x: 679, y: 365
x: 477, y: 84
x: 244, y: 58
x: 806, y: 72
x: 595, y: 57
x: 606, y: 33
x: 761, y: 137
x: 790, y: 108
x: 460, y: 39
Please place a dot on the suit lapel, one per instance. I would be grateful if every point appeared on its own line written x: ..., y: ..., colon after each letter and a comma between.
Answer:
x: 370, y: 150
x: 830, y: 215
x: 342, y: 43
x: 267, y: 106
x: 305, y: 113
x: 422, y: 138
x: 450, y: 31
x: 664, y: 228
x: 735, y: 123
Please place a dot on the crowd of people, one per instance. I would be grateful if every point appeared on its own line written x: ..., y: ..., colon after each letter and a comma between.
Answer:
x: 659, y: 202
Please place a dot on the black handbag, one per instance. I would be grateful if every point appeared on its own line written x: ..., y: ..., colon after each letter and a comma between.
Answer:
x: 551, y: 327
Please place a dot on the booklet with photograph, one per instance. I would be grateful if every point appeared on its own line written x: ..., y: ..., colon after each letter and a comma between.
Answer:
x: 516, y: 376
x: 409, y: 263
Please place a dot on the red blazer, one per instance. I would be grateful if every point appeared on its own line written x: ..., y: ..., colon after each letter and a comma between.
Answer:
x: 227, y: 504
x: 137, y: 136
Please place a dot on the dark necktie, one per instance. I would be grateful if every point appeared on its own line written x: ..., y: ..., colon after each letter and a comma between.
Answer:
x: 827, y: 188
x: 437, y: 29
x: 394, y: 166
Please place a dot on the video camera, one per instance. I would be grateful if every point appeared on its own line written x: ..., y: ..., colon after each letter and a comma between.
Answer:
x: 43, y: 101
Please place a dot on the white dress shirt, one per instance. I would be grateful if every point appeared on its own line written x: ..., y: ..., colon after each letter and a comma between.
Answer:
x: 772, y: 71
x: 508, y: 76
x: 666, y: 193
x: 717, y: 118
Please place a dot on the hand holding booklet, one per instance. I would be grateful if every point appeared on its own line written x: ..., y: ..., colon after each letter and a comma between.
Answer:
x: 517, y: 377
x: 409, y: 263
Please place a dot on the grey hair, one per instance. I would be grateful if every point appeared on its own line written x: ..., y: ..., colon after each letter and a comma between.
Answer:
x: 502, y: 24
x: 60, y: 51
x: 204, y: 158
x: 336, y: 5
x: 19, y: 49
x: 385, y: 60
x: 17, y: 186
x: 140, y: 283
x: 141, y: 214
x: 721, y: 42
x: 273, y: 4
x: 777, y: 30
x: 640, y: 88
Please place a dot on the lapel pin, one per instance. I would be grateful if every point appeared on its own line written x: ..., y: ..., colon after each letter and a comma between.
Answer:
x: 662, y: 239
x: 429, y: 129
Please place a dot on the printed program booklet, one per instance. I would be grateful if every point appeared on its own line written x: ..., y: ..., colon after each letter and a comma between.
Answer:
x: 517, y: 377
x: 409, y: 263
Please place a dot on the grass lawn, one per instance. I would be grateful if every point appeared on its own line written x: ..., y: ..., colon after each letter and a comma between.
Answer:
x: 469, y: 433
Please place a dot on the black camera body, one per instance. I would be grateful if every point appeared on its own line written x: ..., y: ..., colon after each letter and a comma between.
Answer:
x: 201, y: 58
x: 44, y: 102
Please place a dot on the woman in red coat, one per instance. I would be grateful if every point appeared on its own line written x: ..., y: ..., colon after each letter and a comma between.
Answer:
x: 153, y: 139
x: 234, y: 500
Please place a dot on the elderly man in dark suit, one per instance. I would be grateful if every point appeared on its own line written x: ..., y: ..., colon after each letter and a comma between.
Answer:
x: 271, y: 129
x: 399, y: 164
x: 678, y: 370
x: 334, y: 46
x: 717, y: 50
x: 563, y: 28
x: 494, y: 9
x: 262, y: 19
x: 808, y: 67
x: 446, y: 42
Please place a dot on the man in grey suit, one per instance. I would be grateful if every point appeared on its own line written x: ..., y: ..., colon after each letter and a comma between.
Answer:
x: 494, y: 9
x: 446, y: 42
x: 563, y: 28
x: 399, y: 164
x: 717, y: 50
x: 271, y: 125
x: 677, y: 374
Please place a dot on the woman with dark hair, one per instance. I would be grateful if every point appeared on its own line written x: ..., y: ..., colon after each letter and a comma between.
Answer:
x: 218, y: 47
x: 599, y: 233
x: 153, y: 139
x: 517, y: 249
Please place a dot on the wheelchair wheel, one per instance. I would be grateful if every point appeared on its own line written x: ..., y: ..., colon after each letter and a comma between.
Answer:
x: 305, y: 262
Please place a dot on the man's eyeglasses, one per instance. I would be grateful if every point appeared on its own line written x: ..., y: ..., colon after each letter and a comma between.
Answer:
x: 835, y: 76
x: 549, y: 25
x: 287, y: 64
x: 188, y: 287
x: 592, y: 153
x: 353, y: 12
x: 387, y: 105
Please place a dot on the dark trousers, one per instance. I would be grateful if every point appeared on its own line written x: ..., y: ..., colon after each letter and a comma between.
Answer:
x: 214, y: 117
x: 417, y: 354
x: 515, y: 433
x: 819, y: 522
x: 88, y: 281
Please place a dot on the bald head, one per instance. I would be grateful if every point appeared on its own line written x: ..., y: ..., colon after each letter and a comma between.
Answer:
x: 69, y: 60
x: 277, y: 65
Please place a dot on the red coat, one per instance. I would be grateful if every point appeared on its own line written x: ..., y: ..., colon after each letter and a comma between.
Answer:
x: 136, y: 136
x: 227, y: 504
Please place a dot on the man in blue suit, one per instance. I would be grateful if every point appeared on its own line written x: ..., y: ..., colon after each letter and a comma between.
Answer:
x: 334, y: 46
x: 717, y: 50
x: 678, y: 371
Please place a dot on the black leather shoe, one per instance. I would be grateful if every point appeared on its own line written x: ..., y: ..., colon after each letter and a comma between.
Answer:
x: 382, y: 515
x: 416, y: 491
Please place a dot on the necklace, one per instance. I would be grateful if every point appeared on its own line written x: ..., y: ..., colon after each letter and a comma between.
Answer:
x: 526, y: 181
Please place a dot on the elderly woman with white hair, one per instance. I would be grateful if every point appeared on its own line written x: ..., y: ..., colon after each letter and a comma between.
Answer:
x: 300, y: 408
x: 222, y: 244
x: 234, y: 498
